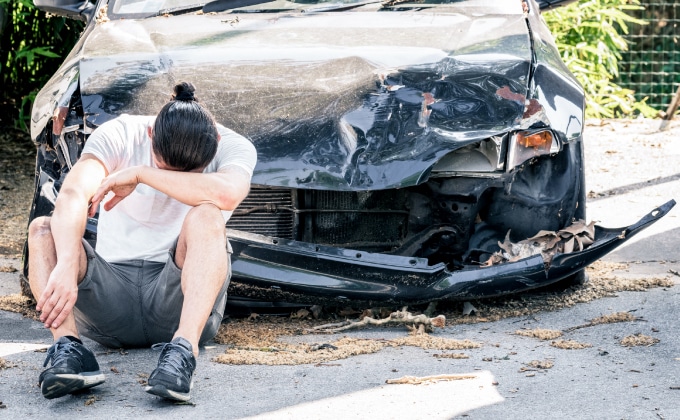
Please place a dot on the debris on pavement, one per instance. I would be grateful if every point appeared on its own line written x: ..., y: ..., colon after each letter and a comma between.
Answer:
x: 537, y: 365
x: 638, y: 340
x: 4, y: 364
x: 607, y: 319
x: 570, y: 345
x: 259, y: 343
x: 19, y: 304
x: 420, y: 323
x: 540, y: 333
x: 451, y: 356
x: 415, y: 380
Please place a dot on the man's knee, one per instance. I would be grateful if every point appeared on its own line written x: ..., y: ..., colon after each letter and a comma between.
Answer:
x: 39, y: 230
x: 206, y: 218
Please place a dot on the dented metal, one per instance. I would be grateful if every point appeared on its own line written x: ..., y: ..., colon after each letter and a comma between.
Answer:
x: 339, y: 274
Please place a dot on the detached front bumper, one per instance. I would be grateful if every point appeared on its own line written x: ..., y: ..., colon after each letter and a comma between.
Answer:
x: 284, y: 268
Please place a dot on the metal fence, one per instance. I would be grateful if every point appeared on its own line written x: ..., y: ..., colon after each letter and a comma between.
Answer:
x: 651, y: 66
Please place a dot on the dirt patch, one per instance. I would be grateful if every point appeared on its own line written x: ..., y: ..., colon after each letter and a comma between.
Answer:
x: 17, y: 165
x: 638, y: 340
x: 4, y: 364
x: 451, y: 356
x: 570, y: 345
x: 538, y: 364
x: 613, y: 318
x: 416, y: 380
x: 21, y: 305
x: 426, y: 341
x: 607, y: 319
x: 7, y: 268
x: 296, y: 354
x: 258, y: 343
x: 540, y: 333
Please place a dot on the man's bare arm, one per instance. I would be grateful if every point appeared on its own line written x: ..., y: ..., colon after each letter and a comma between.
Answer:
x: 224, y: 189
x: 67, y: 226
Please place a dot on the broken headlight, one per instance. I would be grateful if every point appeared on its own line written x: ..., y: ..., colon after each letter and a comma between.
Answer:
x: 481, y: 159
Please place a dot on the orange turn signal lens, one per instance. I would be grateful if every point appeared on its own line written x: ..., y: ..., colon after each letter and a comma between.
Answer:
x: 541, y: 140
x: 526, y: 145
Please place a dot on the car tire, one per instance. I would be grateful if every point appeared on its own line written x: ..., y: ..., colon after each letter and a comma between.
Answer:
x: 578, y: 279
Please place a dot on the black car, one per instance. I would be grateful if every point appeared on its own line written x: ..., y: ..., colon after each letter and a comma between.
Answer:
x: 405, y: 147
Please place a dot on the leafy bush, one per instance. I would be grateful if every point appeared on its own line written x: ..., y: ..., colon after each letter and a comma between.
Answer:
x: 589, y: 34
x: 31, y: 49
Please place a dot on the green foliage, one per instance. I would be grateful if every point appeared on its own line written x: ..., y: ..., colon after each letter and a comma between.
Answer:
x: 31, y: 49
x: 589, y: 35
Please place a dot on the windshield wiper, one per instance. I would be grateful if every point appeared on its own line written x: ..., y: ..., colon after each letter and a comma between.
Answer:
x: 222, y: 5
x: 339, y: 6
x: 181, y: 9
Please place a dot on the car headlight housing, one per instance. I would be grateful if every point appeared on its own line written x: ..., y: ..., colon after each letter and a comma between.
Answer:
x: 483, y: 159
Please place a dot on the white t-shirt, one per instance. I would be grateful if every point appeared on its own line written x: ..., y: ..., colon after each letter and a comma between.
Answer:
x: 146, y: 224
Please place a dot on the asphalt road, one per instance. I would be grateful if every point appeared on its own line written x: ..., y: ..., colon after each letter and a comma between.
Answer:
x: 631, y: 174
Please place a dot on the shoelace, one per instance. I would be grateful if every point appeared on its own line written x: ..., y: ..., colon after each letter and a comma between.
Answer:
x: 58, y: 353
x: 173, y: 357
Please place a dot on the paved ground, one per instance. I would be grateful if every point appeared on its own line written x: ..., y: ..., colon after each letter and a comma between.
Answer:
x: 631, y: 171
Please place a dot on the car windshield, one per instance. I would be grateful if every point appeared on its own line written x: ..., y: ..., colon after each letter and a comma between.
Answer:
x: 146, y: 8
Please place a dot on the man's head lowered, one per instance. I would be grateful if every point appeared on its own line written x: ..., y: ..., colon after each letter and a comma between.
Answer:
x: 184, y: 136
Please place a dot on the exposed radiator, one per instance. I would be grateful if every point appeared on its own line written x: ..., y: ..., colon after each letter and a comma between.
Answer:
x: 374, y: 220
x: 266, y: 212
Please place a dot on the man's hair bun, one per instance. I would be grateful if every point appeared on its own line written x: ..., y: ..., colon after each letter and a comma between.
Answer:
x: 184, y: 91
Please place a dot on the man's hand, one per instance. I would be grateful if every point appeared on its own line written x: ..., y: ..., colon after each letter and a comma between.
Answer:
x: 59, y: 296
x: 121, y: 183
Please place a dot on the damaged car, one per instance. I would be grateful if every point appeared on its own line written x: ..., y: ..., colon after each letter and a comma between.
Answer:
x: 408, y: 150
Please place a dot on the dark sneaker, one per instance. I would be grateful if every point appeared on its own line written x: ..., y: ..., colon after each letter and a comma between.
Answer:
x: 176, y: 364
x: 73, y: 368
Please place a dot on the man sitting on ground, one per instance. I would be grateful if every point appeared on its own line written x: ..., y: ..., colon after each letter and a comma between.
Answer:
x: 161, y: 268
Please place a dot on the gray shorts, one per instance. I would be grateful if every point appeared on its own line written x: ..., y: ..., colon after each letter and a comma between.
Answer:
x: 135, y: 303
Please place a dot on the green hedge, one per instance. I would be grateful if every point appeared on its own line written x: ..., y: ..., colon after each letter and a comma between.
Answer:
x: 589, y: 34
x: 31, y: 49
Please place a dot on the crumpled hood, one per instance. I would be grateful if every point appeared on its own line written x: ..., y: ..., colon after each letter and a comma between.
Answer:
x: 339, y: 101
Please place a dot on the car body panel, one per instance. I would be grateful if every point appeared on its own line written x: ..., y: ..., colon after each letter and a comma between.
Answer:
x: 362, y: 97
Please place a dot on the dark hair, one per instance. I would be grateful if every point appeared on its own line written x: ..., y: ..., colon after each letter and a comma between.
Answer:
x: 184, y: 134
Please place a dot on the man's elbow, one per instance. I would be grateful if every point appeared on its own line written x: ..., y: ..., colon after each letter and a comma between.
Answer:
x: 72, y: 195
x: 229, y: 200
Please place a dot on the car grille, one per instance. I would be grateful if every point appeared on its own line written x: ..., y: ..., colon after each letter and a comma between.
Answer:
x: 375, y: 220
x: 267, y: 212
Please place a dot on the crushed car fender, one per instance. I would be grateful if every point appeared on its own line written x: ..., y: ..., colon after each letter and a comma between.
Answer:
x: 277, y: 267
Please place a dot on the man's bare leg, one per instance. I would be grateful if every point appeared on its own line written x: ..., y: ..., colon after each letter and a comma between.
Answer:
x: 202, y: 256
x: 73, y: 367
x: 42, y: 258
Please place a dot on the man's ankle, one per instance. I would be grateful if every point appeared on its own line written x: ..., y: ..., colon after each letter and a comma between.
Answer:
x: 193, y: 343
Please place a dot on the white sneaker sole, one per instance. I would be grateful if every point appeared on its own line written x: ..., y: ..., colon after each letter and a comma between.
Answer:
x: 169, y: 394
x: 55, y: 386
